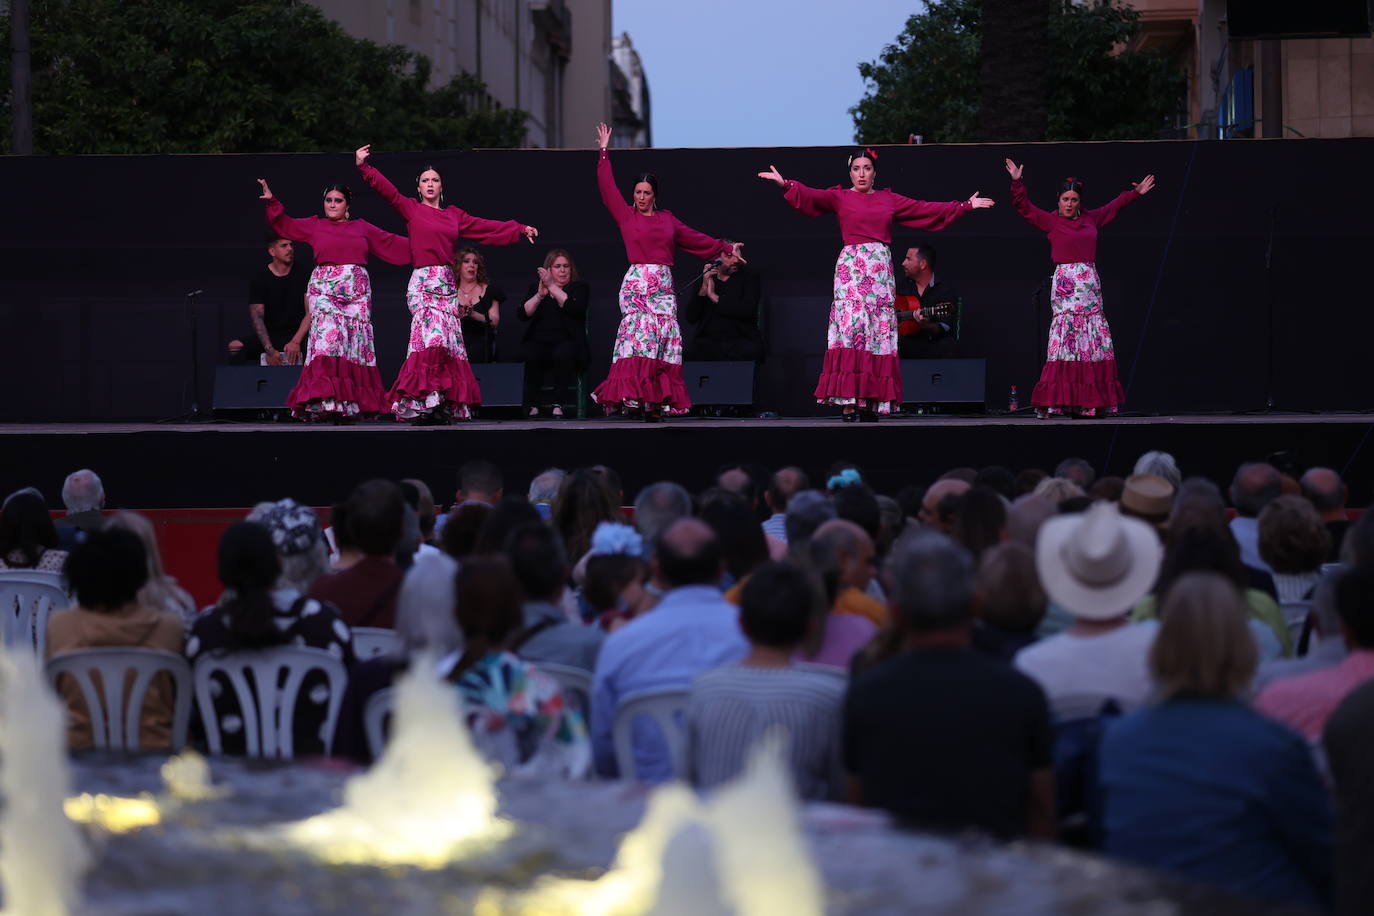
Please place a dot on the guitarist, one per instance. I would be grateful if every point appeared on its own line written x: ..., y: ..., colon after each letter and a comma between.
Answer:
x: 921, y: 336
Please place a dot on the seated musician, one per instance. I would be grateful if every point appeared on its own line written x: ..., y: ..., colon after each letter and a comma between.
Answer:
x: 927, y: 318
x: 725, y: 312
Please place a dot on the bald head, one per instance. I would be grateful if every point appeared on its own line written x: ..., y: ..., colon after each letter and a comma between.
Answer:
x: 1254, y: 487
x: 688, y: 554
x: 1326, y: 492
x: 736, y: 481
x: 931, y: 515
x: 82, y: 492
x: 848, y: 548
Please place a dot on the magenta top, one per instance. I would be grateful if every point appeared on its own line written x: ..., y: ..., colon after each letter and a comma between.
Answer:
x: 434, y: 232
x: 651, y: 239
x: 337, y: 242
x: 869, y: 217
x: 1072, y: 241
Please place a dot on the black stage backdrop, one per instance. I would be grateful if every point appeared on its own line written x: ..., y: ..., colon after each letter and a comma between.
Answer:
x: 99, y: 252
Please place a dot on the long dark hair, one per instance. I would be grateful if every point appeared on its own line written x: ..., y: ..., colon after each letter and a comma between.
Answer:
x: 343, y: 189
x: 249, y: 567
x: 1071, y: 184
x: 430, y: 168
x: 26, y: 527
x: 583, y: 502
x: 488, y: 611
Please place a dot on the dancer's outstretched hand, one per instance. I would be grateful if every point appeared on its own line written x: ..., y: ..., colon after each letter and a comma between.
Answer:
x: 1145, y: 184
x: 774, y: 176
x: 1014, y: 170
x: 603, y: 135
x: 531, y: 234
x: 739, y: 252
x: 980, y: 203
x: 267, y: 192
x: 361, y: 153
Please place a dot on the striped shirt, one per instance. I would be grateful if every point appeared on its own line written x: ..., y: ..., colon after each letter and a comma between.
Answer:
x: 731, y: 707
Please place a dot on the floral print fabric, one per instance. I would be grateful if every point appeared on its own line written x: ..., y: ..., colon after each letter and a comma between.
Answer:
x: 646, y: 362
x: 340, y: 300
x: 435, y: 324
x: 862, y: 321
x: 1080, y: 367
x: 518, y: 714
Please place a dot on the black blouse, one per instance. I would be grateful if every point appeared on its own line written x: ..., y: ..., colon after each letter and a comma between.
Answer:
x: 553, y: 323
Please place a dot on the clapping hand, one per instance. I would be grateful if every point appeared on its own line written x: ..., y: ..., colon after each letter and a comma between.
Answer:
x: 1144, y: 185
x: 267, y: 192
x: 774, y: 176
x: 1014, y: 170
x: 545, y: 279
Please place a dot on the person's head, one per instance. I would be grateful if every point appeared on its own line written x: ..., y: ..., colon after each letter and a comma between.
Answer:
x: 1025, y: 517
x: 583, y: 502
x: 919, y: 262
x: 337, y: 197
x: 966, y: 474
x: 980, y: 521
x: 892, y: 522
x: 464, y: 525
x: 863, y: 170
x: 858, y: 504
x: 783, y: 485
x: 1204, y: 646
x: 281, y: 251
x: 730, y: 260
x: 1325, y: 490
x: 338, y: 523
x: 82, y: 491
x: 780, y: 606
x: 646, y: 192
x: 807, y: 510
x: 506, y: 516
x: 26, y: 528
x: 472, y: 267
x: 612, y: 480
x: 616, y: 568
x: 1292, y: 536
x: 249, y: 568
x: 1197, y: 499
x: 737, y: 479
x: 425, y: 617
x: 488, y: 605
x: 999, y: 479
x: 429, y: 184
x: 1097, y: 564
x: 1255, y: 485
x: 559, y: 263
x: 909, y: 500
x: 1008, y: 587
x: 929, y: 582
x: 1108, y: 488
x: 420, y: 497
x: 545, y: 486
x: 1355, y: 603
x: 1070, y: 198
x: 842, y: 553
x: 940, y: 502
x: 538, y: 561
x: 1078, y: 471
x: 741, y: 539
x: 480, y: 481
x: 376, y: 517
x: 1160, y: 464
x: 143, y: 529
x: 688, y: 554
x: 1201, y: 544
x: 1357, y: 546
x: 1149, y: 498
x: 106, y: 570
x: 1058, y: 489
x: 1027, y: 479
x: 657, y: 506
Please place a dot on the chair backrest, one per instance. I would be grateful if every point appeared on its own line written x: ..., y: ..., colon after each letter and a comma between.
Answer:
x: 575, y: 683
x: 667, y: 709
x: 371, y: 642
x: 115, y: 717
x: 267, y: 701
x: 27, y: 598
x: 375, y: 716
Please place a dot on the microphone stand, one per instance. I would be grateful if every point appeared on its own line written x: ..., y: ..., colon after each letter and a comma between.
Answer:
x: 1269, y: 306
x: 193, y: 318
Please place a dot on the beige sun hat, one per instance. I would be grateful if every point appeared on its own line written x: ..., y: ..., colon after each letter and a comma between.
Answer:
x: 1097, y: 564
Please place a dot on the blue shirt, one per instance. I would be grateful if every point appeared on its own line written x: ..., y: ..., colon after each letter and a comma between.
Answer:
x: 1213, y: 791
x: 691, y: 630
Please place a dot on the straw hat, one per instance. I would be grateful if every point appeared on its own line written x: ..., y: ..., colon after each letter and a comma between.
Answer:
x: 1147, y: 496
x: 1097, y: 564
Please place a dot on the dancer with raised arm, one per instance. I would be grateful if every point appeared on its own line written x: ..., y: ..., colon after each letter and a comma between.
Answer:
x: 646, y: 367
x: 340, y: 379
x: 1080, y: 363
x: 436, y: 383
x: 862, y: 373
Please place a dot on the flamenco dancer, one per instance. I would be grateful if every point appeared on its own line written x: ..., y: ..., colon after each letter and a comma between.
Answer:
x: 340, y: 379
x: 646, y: 368
x: 436, y: 383
x: 1080, y: 363
x: 861, y: 372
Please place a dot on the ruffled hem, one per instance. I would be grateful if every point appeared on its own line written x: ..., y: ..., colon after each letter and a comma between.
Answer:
x: 858, y: 377
x: 1077, y: 383
x: 334, y: 385
x: 430, y: 379
x: 640, y: 381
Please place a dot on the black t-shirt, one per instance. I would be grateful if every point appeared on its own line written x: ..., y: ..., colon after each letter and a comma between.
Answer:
x: 946, y: 739
x: 735, y: 316
x: 283, y: 299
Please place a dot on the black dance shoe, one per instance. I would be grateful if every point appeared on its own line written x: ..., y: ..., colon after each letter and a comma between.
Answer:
x: 868, y: 416
x: 850, y: 417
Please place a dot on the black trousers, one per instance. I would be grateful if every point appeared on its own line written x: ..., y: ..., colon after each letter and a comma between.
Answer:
x: 708, y: 350
x: 553, y: 365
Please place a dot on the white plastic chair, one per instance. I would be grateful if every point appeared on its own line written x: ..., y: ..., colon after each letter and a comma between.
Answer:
x: 267, y: 704
x: 115, y: 713
x: 375, y: 716
x: 371, y: 642
x: 667, y: 709
x: 575, y: 683
x: 27, y: 598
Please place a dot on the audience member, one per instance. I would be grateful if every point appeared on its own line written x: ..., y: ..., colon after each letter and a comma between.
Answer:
x: 1202, y: 786
x: 1327, y: 493
x: 1025, y: 517
x: 657, y: 506
x: 693, y: 629
x: 731, y: 707
x: 1200, y: 499
x: 583, y: 503
x: 299, y: 543
x: 940, y: 503
x: 1010, y: 601
x: 742, y: 541
x: 1348, y: 740
x: 841, y: 554
x: 420, y: 497
x: 365, y: 593
x: 479, y: 481
x: 782, y: 486
x: 1078, y: 471
x: 84, y: 496
x: 612, y: 481
x: 463, y: 528
x: 343, y: 553
x: 998, y: 479
x: 510, y: 513
x: 909, y: 500
x: 1107, y: 488
x: 806, y: 511
x: 1160, y: 464
x: 616, y: 576
x: 1027, y: 480
x: 739, y: 480
x: 1096, y: 566
x: 546, y: 635
x: 1294, y: 542
x: 1149, y: 498
x: 967, y: 475
x: 857, y: 503
x: 891, y: 525
x: 980, y: 522
x: 28, y: 538
x: 940, y: 735
x: 106, y: 573
x: 161, y: 591
x: 544, y: 490
x: 1058, y: 490
x: 1255, y: 486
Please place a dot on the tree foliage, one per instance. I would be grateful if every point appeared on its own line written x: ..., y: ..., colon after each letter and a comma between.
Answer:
x: 215, y: 76
x: 927, y: 82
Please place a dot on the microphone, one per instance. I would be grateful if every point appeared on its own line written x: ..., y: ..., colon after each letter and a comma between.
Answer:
x: 714, y: 264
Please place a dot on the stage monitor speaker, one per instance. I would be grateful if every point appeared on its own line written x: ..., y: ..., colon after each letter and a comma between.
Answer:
x: 253, y: 387
x: 943, y: 381
x: 1250, y: 19
x: 723, y: 382
x: 502, y: 384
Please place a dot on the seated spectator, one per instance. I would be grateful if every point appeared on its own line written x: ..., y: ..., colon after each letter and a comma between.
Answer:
x: 1350, y: 761
x: 842, y: 556
x: 693, y: 629
x: 544, y: 490
x: 1160, y: 464
x: 1327, y: 493
x: 1058, y: 490
x: 1255, y: 486
x: 106, y: 572
x: 782, y: 486
x: 510, y: 513
x: 806, y: 511
x: 1305, y: 702
x: 1108, y: 488
x: 1095, y: 565
x: 420, y: 497
x: 161, y: 590
x: 657, y: 506
x: 299, y: 543
x: 998, y: 479
x: 517, y: 714
x: 611, y: 478
x: 84, y: 496
x: 365, y: 593
x: 343, y: 553
x: 742, y: 541
x: 463, y: 528
x: 1148, y: 498
x: 1295, y: 543
x: 1010, y: 602
x: 257, y: 615
x: 1026, y: 515
x: 1027, y: 480
x: 1199, y: 499
x: 583, y: 503
x: 28, y: 538
x: 1077, y: 471
x: 940, y: 735
x: 546, y: 635
x: 980, y: 521
x: 616, y: 576
x: 1202, y: 786
x: 479, y: 481
x: 733, y: 706
x: 940, y: 503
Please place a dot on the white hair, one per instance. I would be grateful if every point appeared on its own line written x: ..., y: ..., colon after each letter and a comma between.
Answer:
x: 544, y: 488
x: 1161, y: 464
x: 82, y: 491
x: 425, y: 618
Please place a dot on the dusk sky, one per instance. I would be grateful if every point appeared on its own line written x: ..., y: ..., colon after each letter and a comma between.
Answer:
x: 757, y: 72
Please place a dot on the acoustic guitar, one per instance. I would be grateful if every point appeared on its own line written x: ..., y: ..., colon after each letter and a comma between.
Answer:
x: 909, y: 308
